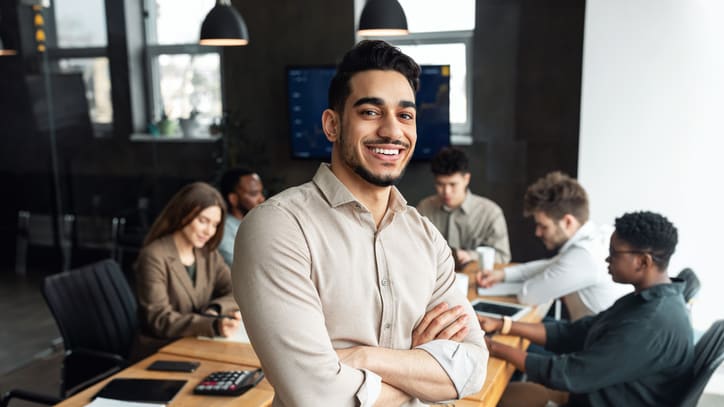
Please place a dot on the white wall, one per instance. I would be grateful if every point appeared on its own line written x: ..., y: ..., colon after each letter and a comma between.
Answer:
x: 652, y: 123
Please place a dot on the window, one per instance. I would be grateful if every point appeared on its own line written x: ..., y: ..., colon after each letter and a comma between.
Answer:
x: 184, y: 77
x: 77, y: 42
x: 442, y: 33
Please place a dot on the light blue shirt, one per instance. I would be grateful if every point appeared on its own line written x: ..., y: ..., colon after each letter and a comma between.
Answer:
x: 226, y: 247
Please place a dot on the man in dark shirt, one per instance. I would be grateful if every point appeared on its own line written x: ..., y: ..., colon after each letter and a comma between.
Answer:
x: 636, y: 353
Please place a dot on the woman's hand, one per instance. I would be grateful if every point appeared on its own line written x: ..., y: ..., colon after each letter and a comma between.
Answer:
x: 228, y: 326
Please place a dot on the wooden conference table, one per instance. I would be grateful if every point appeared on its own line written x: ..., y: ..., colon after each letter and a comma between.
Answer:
x: 216, y: 355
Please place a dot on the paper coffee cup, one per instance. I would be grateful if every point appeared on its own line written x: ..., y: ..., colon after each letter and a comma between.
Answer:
x: 487, y: 257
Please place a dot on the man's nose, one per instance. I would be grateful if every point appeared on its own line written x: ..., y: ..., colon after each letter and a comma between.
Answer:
x: 390, y: 128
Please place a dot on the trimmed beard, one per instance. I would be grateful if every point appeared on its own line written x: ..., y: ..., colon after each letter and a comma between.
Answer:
x: 363, y: 172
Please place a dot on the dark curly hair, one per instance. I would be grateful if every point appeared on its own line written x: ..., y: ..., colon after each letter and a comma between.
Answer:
x: 555, y: 195
x: 368, y: 55
x: 651, y: 232
x: 450, y: 160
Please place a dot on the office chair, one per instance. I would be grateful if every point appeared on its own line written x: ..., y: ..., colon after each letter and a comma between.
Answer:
x: 95, y: 310
x: 99, y: 234
x: 708, y: 355
x: 692, y: 285
x: 38, y: 230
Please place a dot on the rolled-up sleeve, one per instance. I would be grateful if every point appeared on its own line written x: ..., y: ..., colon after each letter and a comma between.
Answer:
x: 464, y: 362
x: 283, y: 315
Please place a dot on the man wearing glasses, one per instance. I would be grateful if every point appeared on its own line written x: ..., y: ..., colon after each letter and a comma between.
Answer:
x: 637, y: 353
x: 577, y: 273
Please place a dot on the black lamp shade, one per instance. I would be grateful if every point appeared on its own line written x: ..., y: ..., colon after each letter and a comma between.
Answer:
x: 223, y: 26
x: 382, y: 17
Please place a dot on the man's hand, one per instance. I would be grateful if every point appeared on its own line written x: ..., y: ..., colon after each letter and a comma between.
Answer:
x: 462, y: 256
x: 486, y: 278
x: 229, y: 326
x: 490, y: 324
x: 441, y: 322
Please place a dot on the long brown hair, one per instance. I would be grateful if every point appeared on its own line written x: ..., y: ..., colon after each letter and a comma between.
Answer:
x: 183, y: 207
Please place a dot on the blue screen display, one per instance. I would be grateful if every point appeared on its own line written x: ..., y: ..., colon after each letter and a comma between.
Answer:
x: 307, y: 98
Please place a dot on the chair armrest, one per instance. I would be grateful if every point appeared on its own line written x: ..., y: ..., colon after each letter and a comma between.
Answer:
x: 115, y: 359
x: 29, y: 396
x: 85, y: 367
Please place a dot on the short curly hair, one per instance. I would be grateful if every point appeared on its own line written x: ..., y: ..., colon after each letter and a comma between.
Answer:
x: 556, y: 195
x: 651, y: 232
x: 450, y: 160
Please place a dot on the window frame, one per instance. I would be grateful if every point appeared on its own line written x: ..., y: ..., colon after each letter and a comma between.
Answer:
x: 151, y: 51
x: 55, y: 53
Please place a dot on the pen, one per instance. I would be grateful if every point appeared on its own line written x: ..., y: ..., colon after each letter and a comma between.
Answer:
x: 218, y: 316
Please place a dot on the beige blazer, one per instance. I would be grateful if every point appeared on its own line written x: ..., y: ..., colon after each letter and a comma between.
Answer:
x: 169, y: 303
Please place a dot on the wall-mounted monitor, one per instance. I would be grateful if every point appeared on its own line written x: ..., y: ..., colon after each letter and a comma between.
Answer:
x: 307, y: 88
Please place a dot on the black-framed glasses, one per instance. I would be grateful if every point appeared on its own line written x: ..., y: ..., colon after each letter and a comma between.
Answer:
x: 613, y: 252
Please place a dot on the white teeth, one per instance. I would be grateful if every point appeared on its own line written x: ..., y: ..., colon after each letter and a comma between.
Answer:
x: 385, y: 151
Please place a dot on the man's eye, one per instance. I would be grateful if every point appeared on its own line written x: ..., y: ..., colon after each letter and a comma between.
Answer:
x: 407, y: 116
x: 369, y: 113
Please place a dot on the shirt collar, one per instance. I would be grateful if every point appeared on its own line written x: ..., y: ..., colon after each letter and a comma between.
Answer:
x: 663, y: 290
x: 337, y: 194
x: 465, y: 207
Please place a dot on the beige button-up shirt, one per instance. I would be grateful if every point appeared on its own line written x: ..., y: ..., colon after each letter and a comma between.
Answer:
x: 477, y: 222
x: 312, y: 273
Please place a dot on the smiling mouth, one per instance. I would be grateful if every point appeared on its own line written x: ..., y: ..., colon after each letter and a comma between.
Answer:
x: 385, y: 151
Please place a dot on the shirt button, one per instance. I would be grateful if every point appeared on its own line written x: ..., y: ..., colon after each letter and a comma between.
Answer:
x: 384, y: 282
x: 388, y: 326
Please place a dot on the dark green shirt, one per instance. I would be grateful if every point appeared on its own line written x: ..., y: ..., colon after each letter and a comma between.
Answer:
x: 192, y: 272
x: 636, y: 353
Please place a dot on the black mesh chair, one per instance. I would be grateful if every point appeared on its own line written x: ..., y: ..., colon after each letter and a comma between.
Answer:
x: 692, y: 285
x: 95, y: 310
x: 709, y: 354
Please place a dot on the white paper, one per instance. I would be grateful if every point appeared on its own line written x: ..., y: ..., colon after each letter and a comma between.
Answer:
x: 501, y: 289
x: 104, y: 402
x: 239, y: 336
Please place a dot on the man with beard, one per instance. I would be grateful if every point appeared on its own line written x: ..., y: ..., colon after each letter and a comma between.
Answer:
x: 346, y: 292
x: 577, y: 273
x: 243, y: 191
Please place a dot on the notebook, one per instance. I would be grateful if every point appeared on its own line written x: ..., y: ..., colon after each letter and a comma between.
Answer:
x: 500, y: 289
x: 158, y: 391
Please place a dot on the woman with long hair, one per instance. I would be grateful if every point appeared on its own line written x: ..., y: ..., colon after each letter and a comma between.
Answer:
x: 183, y: 285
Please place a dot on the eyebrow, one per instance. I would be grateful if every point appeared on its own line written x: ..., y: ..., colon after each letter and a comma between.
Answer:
x: 379, y: 102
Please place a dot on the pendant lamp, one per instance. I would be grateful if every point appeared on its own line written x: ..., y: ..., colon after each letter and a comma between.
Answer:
x: 382, y: 17
x: 223, y: 26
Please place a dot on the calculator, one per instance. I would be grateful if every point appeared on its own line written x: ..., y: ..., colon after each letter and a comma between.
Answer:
x: 229, y: 383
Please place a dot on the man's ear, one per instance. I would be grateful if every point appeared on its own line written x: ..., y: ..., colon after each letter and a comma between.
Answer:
x: 330, y: 124
x: 466, y: 179
x: 233, y: 200
x: 646, y: 261
x: 570, y: 222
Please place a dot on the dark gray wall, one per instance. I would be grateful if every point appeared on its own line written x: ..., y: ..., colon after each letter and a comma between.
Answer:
x: 526, y: 97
